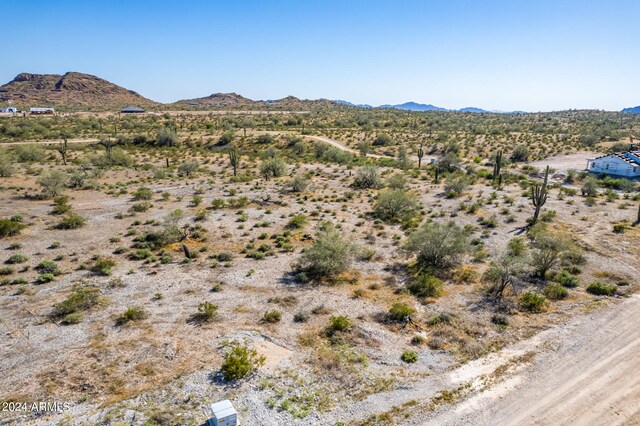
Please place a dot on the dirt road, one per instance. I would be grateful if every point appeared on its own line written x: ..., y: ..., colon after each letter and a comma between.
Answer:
x: 587, y: 373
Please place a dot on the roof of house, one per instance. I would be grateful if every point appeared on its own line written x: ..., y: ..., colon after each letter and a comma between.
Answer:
x: 132, y: 109
x: 40, y: 109
x: 633, y: 159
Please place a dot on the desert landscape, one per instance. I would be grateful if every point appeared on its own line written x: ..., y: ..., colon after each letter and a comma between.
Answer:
x: 339, y: 266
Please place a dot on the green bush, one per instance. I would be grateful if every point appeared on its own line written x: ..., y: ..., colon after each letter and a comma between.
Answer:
x: 438, y: 245
x: 134, y: 313
x: 555, y: 291
x: 273, y: 167
x: 329, y: 256
x: 142, y: 194
x: 240, y: 361
x: 339, y: 323
x: 70, y: 319
x: 394, y: 205
x: 48, y: 266
x: 71, y: 221
x: 400, y: 312
x: 566, y: 279
x: 17, y: 258
x: 9, y: 227
x: 80, y: 299
x: 103, y: 266
x: 297, y: 222
x: 601, y: 289
x: 532, y: 302
x: 6, y: 270
x: 426, y: 286
x: 53, y: 183
x: 207, y: 312
x: 272, y: 317
x: 45, y: 278
x: 367, y: 177
x: 410, y: 357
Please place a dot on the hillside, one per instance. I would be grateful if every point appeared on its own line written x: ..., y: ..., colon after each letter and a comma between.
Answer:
x: 632, y: 110
x: 71, y: 91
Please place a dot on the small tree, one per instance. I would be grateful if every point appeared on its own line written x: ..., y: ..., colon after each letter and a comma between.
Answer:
x: 438, y: 245
x: 167, y: 137
x: 240, y: 361
x: 6, y: 164
x: 589, y: 187
x: 548, y: 250
x: 62, y: 149
x: 394, y: 205
x: 234, y: 158
x: 226, y: 138
x: 402, y: 158
x: 367, y: 177
x: 382, y: 140
x: 187, y: 168
x: 503, y: 274
x: 53, y: 183
x: 539, y: 194
x: 330, y: 254
x: 273, y: 167
x: 520, y: 153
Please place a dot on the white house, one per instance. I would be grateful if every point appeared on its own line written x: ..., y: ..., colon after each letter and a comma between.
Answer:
x: 10, y: 109
x: 625, y: 164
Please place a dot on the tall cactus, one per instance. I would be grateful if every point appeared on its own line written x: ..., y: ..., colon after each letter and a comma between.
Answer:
x: 420, y: 155
x: 497, y: 165
x: 234, y: 159
x: 539, y: 195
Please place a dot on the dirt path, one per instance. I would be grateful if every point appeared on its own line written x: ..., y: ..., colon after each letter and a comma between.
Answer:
x: 342, y: 147
x: 589, y: 375
x: 584, y: 372
x: 562, y: 163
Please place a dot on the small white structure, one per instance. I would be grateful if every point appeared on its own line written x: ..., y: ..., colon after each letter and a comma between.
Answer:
x: 223, y: 414
x: 625, y: 164
x: 10, y: 109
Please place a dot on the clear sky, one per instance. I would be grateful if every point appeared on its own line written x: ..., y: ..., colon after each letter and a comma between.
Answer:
x: 532, y: 55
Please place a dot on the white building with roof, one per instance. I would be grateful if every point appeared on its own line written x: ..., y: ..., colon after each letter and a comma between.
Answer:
x: 625, y: 164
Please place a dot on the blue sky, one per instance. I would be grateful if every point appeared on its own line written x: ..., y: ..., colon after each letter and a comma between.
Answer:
x: 536, y: 55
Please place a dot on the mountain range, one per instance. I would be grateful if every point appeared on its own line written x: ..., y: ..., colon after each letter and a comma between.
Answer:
x: 74, y: 91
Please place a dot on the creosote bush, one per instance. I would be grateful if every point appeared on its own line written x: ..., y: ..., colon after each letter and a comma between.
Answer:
x: 425, y: 285
x: 601, y: 289
x: 438, y: 245
x: 240, y: 361
x: 10, y: 227
x: 329, y: 256
x: 410, y: 357
x: 80, y: 299
x: 134, y: 313
x: 532, y: 302
x: 71, y: 221
x: 337, y: 324
x: 400, y: 312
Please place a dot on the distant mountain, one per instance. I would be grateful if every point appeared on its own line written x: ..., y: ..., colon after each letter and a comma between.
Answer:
x: 221, y: 100
x: 338, y: 101
x: 472, y: 109
x: 414, y: 106
x: 632, y: 110
x: 72, y: 91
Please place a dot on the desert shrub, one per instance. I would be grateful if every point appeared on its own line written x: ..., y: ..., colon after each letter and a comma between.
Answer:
x: 61, y: 205
x: 589, y: 187
x: 71, y: 221
x: 10, y: 227
x: 142, y: 194
x: 367, y: 177
x: 336, y: 155
x: 6, y: 270
x: 297, y: 222
x: 17, y: 258
x: 396, y: 181
x: 225, y: 256
x: 45, y: 278
x: 6, y: 165
x: 273, y: 167
x: 70, y: 319
x: 264, y: 139
x: 53, y: 183
x: 141, y: 207
x: 410, y: 357
x: 47, y: 266
x: 207, y: 312
x: 438, y: 245
x: 455, y: 186
x: 298, y: 184
x: 425, y: 285
x: 134, y: 313
x: 532, y: 302
x: 555, y: 291
x: 548, y: 250
x: 330, y: 254
x: 601, y: 289
x: 217, y: 203
x: 394, y: 205
x: 240, y: 361
x: 337, y: 324
x: 80, y: 299
x: 382, y: 139
x: 166, y: 137
x: 103, y: 266
x: 272, y: 316
x: 187, y: 168
x: 29, y: 153
x: 400, y: 312
x: 566, y: 279
x: 301, y: 317
x: 520, y: 153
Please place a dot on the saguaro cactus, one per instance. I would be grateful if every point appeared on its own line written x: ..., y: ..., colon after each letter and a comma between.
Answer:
x: 62, y: 149
x: 539, y: 195
x: 234, y: 159
x: 420, y: 155
x: 497, y: 165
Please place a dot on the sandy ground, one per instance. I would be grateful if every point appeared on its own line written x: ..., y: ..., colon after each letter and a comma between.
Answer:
x: 562, y: 163
x: 588, y: 375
